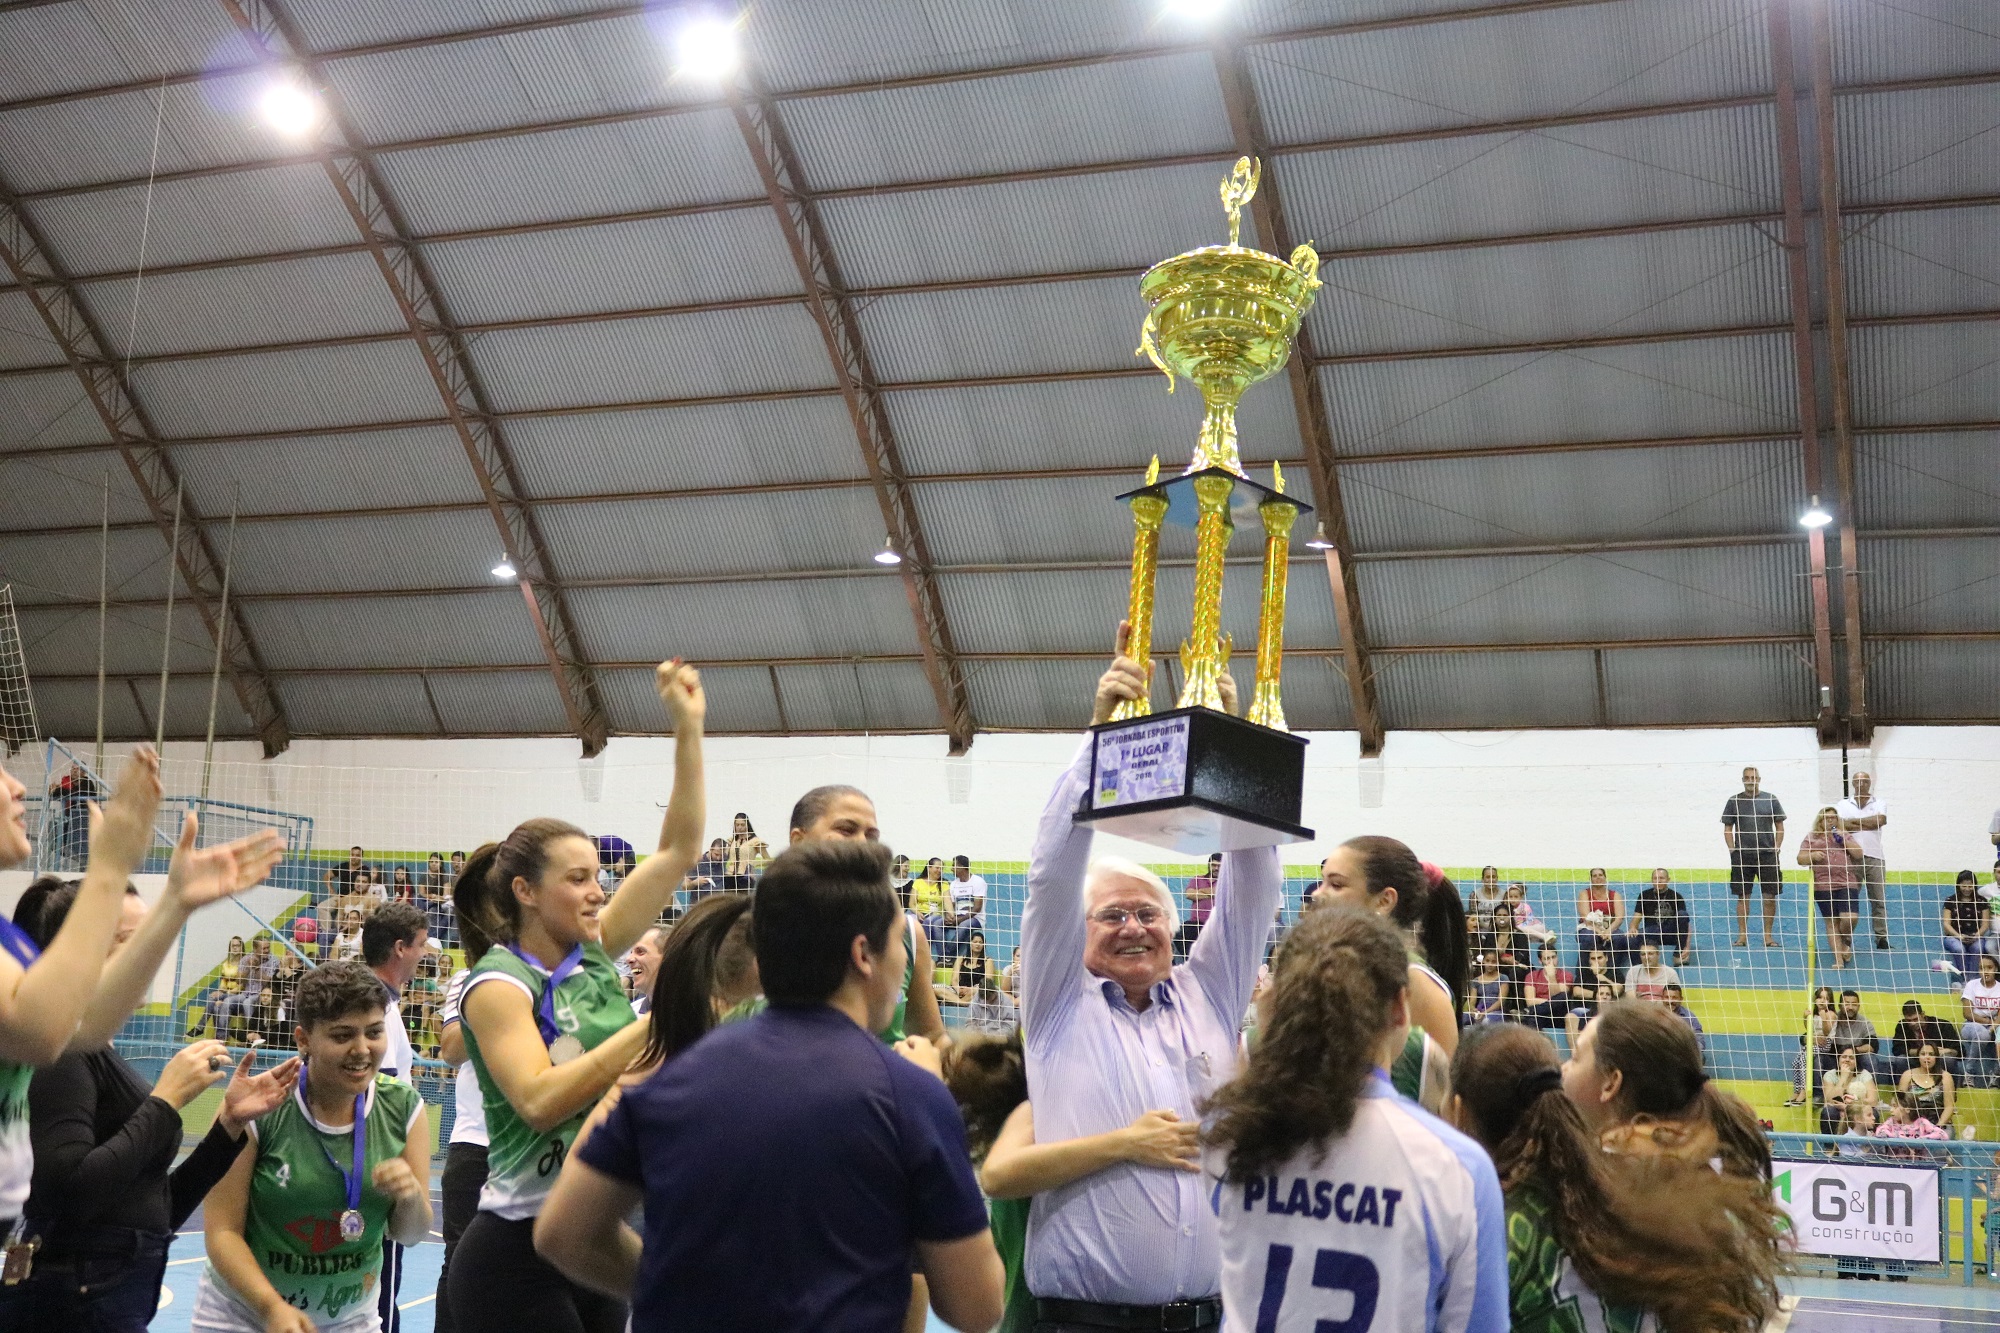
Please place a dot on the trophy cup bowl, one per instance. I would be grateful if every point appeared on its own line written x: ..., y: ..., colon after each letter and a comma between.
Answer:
x: 1224, y: 316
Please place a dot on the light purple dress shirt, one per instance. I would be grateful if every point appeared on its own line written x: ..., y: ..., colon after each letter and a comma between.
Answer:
x: 1129, y: 1235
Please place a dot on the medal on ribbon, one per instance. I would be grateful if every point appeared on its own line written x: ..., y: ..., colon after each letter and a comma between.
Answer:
x: 352, y: 1225
x: 563, y: 1046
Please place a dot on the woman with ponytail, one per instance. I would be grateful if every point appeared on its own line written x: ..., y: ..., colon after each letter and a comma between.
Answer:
x: 1635, y: 1075
x: 1601, y: 1241
x: 1337, y: 1197
x: 1384, y: 876
x: 548, y: 1030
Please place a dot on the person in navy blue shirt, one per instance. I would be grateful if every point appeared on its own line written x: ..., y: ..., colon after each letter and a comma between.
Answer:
x: 794, y: 1169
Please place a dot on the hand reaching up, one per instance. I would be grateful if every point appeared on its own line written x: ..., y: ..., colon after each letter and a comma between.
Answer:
x: 121, y: 831
x: 680, y: 690
x: 1125, y: 679
x: 198, y: 877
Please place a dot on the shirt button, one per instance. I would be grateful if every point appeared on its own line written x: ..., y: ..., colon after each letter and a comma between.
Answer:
x: 1187, y: 1231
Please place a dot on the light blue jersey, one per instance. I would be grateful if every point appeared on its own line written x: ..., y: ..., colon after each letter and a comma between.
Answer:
x: 1400, y: 1227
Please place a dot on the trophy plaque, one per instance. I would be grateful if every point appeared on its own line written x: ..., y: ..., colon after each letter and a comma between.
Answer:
x: 1195, y: 779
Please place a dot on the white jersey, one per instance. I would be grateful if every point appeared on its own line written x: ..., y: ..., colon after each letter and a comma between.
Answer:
x: 1399, y: 1228
x: 399, y: 1061
x: 468, y: 1121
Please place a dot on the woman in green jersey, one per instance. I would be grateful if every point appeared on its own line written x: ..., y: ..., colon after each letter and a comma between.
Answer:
x: 846, y: 812
x: 1598, y: 1243
x: 548, y: 1029
x: 295, y: 1229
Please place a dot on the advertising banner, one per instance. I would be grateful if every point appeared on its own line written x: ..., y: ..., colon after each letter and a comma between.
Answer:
x: 1869, y: 1212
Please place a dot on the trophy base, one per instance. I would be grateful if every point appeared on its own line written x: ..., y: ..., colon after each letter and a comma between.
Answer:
x: 1196, y: 781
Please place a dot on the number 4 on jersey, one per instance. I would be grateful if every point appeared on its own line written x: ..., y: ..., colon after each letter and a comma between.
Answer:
x: 1333, y: 1270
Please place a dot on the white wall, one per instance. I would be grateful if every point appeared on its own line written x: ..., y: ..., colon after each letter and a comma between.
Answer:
x: 1529, y: 799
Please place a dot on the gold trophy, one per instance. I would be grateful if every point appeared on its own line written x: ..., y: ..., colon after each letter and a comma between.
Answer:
x: 1195, y: 779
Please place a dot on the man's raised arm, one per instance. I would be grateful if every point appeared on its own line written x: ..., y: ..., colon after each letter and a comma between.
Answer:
x: 1052, y: 932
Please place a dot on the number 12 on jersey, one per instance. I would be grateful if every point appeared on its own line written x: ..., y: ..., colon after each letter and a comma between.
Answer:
x: 1333, y: 1270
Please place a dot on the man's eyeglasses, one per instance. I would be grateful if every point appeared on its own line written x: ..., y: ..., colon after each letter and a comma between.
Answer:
x: 1116, y: 917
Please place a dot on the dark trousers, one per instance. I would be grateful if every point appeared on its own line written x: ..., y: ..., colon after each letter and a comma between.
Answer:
x: 464, y: 1177
x: 500, y: 1285
x: 391, y: 1287
x: 107, y: 1283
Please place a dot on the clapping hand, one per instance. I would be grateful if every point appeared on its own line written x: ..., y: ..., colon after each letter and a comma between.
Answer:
x: 1126, y: 679
x: 250, y: 1096
x: 121, y: 831
x: 197, y: 877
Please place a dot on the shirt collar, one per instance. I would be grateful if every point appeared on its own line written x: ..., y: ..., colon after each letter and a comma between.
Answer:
x: 1162, y: 992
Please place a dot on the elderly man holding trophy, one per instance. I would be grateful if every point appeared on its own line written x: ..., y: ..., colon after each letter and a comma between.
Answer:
x: 1114, y: 1028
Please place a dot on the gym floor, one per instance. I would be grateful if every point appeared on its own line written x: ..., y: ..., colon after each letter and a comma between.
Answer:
x: 1823, y: 1305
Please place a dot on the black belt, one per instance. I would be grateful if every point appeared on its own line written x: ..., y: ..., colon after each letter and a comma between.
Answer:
x: 1169, y: 1318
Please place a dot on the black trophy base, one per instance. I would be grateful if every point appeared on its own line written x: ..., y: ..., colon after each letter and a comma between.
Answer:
x: 1195, y: 781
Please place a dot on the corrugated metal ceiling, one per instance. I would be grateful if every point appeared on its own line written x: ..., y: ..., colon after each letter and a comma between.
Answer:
x: 1663, y: 332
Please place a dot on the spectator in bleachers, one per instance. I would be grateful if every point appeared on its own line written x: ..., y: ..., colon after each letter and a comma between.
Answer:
x: 991, y: 1011
x: 967, y: 906
x: 402, y: 888
x: 226, y: 997
x: 900, y: 879
x: 437, y: 880
x: 344, y: 876
x: 258, y: 970
x: 1929, y: 1087
x: 1492, y: 994
x: 1525, y: 920
x: 746, y: 855
x: 457, y: 866
x: 928, y: 895
x: 1010, y: 976
x: 1510, y: 947
x: 275, y: 1012
x: 347, y: 944
x: 1597, y: 971
x: 1591, y: 1004
x: 1200, y: 895
x: 1819, y: 1022
x: 1648, y: 978
x: 1670, y: 996
x: 1660, y: 916
x: 974, y: 969
x: 1979, y: 1006
x: 1914, y: 1030
x: 1853, y: 1032
x: 708, y: 871
x: 1547, y: 992
x: 1753, y: 828
x: 1487, y: 893
x: 1835, y: 858
x: 1863, y: 815
x: 1600, y: 920
x: 1965, y: 918
x: 1855, y: 1122
x: 1845, y: 1085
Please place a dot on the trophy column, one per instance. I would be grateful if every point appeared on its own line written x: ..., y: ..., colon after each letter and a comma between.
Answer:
x: 1148, y: 509
x: 1201, y: 654
x: 1265, y: 708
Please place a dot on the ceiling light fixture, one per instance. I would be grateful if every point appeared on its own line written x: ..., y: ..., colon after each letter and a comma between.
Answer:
x: 706, y: 48
x: 1196, y: 11
x: 290, y: 108
x: 888, y: 555
x: 1318, y: 541
x: 1815, y: 517
x: 505, y: 570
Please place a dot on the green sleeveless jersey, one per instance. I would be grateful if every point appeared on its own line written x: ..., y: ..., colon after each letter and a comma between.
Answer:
x: 894, y: 1032
x: 292, y: 1224
x: 591, y: 1006
x: 1544, y: 1294
x: 17, y: 1152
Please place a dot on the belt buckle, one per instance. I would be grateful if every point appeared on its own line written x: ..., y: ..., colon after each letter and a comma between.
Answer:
x: 1179, y: 1317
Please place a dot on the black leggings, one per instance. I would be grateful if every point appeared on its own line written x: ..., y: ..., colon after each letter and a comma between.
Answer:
x: 464, y: 1176
x: 499, y: 1284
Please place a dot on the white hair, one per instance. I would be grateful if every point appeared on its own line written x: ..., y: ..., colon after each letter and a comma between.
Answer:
x: 1103, y: 868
